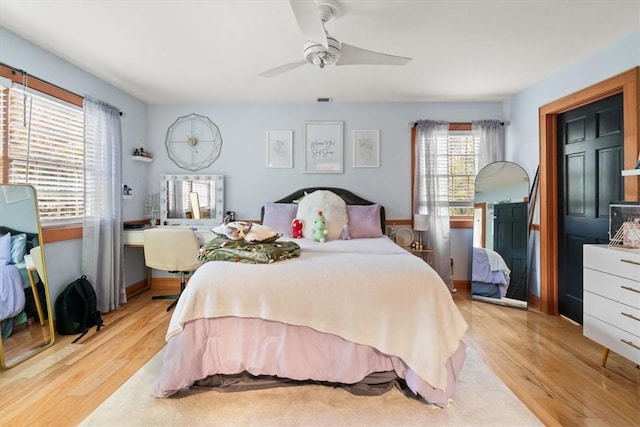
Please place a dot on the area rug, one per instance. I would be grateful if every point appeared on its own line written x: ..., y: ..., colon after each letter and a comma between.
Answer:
x: 481, y: 399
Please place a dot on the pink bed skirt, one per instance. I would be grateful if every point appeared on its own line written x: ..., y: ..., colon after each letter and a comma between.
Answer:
x: 230, y: 345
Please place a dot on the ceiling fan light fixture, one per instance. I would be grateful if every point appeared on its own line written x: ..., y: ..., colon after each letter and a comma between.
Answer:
x: 318, y: 55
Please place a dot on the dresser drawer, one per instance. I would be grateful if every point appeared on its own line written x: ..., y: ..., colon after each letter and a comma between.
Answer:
x: 619, y: 289
x: 619, y: 315
x: 617, y: 340
x: 624, y: 263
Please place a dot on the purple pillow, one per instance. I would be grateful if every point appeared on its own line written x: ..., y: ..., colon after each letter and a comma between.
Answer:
x: 279, y: 216
x: 364, y: 221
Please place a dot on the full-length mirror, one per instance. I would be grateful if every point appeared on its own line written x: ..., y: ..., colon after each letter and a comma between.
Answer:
x: 25, y: 302
x: 500, y: 234
x: 192, y: 200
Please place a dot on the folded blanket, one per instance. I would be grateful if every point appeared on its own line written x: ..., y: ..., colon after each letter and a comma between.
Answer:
x: 223, y: 249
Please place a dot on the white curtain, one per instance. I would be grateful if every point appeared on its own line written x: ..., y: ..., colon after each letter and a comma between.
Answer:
x: 431, y: 191
x: 488, y: 136
x: 102, y: 252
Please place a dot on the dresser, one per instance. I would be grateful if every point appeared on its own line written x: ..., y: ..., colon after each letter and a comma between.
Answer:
x: 612, y: 299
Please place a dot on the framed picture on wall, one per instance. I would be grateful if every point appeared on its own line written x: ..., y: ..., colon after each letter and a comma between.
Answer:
x: 280, y: 149
x: 323, y: 147
x: 366, y: 148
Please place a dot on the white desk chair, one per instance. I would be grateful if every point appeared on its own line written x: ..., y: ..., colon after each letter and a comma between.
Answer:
x: 174, y: 250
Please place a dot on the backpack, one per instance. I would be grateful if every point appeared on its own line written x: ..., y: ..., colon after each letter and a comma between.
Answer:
x: 76, y: 309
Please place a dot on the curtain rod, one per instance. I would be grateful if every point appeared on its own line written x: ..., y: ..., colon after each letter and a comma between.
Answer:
x: 23, y: 73
x: 412, y: 124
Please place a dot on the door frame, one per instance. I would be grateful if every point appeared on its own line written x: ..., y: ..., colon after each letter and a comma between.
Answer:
x: 627, y: 83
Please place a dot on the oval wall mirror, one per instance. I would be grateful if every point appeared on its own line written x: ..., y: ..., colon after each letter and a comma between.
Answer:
x: 25, y: 302
x: 500, y: 235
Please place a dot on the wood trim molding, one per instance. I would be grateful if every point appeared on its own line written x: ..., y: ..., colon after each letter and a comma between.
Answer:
x: 460, y: 223
x: 57, y: 234
x: 462, y: 284
x: 138, y: 287
x: 533, y: 301
x: 40, y: 85
x: 627, y: 83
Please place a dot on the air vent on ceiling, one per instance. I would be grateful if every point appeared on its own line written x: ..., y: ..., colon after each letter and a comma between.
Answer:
x: 324, y: 99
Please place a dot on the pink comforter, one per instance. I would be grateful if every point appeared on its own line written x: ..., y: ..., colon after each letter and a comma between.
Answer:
x: 232, y: 345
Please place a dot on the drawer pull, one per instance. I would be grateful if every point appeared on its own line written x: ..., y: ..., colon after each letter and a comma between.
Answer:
x: 629, y: 288
x: 630, y: 261
x: 630, y: 343
x: 630, y: 315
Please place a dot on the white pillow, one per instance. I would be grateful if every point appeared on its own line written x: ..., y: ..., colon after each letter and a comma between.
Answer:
x: 333, y: 208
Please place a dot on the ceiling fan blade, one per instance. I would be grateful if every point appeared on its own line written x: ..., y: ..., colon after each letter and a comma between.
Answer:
x: 282, y: 69
x: 351, y: 55
x: 309, y: 21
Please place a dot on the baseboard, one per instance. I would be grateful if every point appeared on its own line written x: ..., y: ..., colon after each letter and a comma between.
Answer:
x: 137, y: 288
x: 462, y: 284
x: 166, y: 284
x: 534, y: 301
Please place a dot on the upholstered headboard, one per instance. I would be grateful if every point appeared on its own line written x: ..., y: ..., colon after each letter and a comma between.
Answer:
x: 346, y: 195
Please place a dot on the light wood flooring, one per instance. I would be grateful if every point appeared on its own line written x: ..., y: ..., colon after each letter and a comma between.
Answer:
x: 544, y: 359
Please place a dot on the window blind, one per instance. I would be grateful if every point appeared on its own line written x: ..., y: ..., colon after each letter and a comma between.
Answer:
x: 43, y: 145
x: 462, y: 166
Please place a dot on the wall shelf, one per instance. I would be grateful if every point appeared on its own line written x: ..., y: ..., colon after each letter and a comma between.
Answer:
x: 630, y: 172
x: 142, y: 159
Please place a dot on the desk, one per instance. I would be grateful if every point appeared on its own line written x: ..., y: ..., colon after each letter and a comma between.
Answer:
x: 135, y: 238
x: 423, y: 253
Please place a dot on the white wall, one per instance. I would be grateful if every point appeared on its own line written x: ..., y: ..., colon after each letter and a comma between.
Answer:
x: 521, y: 110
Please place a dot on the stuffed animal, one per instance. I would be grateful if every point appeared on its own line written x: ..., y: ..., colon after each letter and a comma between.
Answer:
x: 233, y: 230
x: 319, y: 232
x: 296, y: 228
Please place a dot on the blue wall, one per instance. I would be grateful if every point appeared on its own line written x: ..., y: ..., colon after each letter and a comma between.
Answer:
x: 243, y: 126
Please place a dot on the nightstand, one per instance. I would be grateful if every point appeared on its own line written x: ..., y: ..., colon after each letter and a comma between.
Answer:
x: 423, y: 253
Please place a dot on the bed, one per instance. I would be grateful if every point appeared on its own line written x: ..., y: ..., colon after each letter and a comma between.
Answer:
x: 341, y: 312
x: 16, y: 294
x: 490, y: 275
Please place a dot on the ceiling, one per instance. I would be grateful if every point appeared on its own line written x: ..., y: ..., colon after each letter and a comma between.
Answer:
x: 173, y: 52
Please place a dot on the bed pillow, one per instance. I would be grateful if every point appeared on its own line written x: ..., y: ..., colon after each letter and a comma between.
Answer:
x: 5, y: 249
x: 364, y: 221
x: 18, y: 248
x: 333, y: 208
x: 279, y: 216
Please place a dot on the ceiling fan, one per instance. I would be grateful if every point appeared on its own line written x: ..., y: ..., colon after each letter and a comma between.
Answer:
x: 321, y: 49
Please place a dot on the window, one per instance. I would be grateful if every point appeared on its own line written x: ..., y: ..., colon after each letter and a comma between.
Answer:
x: 42, y: 144
x: 455, y: 165
x: 462, y: 173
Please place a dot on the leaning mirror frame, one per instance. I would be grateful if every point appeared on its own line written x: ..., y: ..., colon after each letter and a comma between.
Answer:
x: 24, y: 342
x: 499, y: 274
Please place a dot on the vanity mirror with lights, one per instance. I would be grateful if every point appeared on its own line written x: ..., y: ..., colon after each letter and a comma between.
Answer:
x: 500, y: 235
x: 25, y: 301
x: 192, y: 200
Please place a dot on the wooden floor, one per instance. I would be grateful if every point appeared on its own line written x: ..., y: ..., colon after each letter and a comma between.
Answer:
x: 544, y: 359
